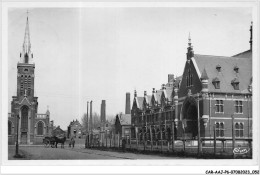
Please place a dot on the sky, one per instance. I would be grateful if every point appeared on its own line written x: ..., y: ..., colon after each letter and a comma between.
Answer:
x: 84, y: 54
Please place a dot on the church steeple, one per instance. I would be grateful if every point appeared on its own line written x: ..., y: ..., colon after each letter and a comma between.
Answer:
x: 26, y: 55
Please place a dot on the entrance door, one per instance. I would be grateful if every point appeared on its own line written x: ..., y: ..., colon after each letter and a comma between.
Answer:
x: 24, y: 138
x: 24, y: 124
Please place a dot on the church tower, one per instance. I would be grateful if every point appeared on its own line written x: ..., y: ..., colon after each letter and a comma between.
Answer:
x: 24, y: 105
x: 25, y: 68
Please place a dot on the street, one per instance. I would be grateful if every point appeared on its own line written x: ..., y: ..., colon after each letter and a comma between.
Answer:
x: 77, y: 153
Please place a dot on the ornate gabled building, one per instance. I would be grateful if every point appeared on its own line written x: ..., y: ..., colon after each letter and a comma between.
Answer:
x: 32, y: 126
x: 217, y: 90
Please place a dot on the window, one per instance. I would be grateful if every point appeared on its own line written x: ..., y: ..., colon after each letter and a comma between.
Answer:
x: 239, y: 129
x: 9, y: 127
x: 219, y: 106
x: 236, y: 69
x: 189, y: 79
x: 216, y: 83
x: 235, y: 83
x: 40, y: 128
x: 218, y: 67
x: 239, y: 107
x: 220, y: 129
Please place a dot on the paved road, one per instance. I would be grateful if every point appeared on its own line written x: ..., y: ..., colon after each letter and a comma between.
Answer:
x: 42, y: 153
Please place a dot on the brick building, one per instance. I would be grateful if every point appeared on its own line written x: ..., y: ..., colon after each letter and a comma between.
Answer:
x: 217, y: 90
x: 32, y: 126
x: 74, y: 129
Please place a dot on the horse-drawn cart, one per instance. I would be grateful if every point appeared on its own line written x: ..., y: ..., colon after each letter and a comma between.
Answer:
x: 53, y: 141
x: 49, y: 141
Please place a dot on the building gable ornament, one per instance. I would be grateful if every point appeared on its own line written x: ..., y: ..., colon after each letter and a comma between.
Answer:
x: 25, y: 101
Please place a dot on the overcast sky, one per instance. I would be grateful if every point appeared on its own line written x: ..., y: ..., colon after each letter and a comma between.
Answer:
x: 84, y: 54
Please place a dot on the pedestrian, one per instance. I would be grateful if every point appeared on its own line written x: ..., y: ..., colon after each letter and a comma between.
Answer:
x: 123, y: 144
x: 72, y: 142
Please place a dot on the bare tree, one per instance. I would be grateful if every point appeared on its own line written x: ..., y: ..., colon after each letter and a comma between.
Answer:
x: 84, y: 121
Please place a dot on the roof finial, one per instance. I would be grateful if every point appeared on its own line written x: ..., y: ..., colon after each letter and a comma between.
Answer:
x: 189, y: 40
x: 190, y: 53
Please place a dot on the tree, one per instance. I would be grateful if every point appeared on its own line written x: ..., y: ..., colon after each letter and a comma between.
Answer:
x: 84, y: 121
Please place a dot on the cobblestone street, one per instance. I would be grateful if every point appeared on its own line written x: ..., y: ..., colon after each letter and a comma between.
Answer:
x: 42, y: 153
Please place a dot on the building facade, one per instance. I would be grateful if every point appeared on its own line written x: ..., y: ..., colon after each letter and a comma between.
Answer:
x: 214, y: 94
x: 74, y: 129
x: 24, y: 116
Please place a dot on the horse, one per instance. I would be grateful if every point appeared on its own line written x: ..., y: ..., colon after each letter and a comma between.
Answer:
x: 60, y: 140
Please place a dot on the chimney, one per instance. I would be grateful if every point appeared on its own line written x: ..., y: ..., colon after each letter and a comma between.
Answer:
x: 127, y: 104
x: 90, y: 117
x: 103, y: 112
x: 87, y: 118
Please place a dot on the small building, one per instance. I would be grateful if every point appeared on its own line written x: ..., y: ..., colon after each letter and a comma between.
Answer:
x: 74, y: 129
x: 123, y: 125
x: 58, y: 132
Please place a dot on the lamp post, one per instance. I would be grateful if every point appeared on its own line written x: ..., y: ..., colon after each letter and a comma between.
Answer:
x: 17, y: 155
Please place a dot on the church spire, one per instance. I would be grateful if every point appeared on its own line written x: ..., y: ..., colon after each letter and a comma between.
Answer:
x: 26, y: 56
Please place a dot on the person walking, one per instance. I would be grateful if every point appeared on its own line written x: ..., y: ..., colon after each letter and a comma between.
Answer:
x: 72, y: 142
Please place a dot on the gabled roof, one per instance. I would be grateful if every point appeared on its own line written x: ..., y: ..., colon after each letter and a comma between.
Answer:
x: 168, y: 93
x: 227, y: 73
x: 148, y: 99
x: 125, y: 119
x: 157, y: 96
x: 76, y: 122
x: 25, y: 101
x: 139, y: 102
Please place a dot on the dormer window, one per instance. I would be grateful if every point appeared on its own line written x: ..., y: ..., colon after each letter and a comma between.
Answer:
x: 218, y: 67
x: 235, y: 83
x: 236, y: 69
x: 216, y: 83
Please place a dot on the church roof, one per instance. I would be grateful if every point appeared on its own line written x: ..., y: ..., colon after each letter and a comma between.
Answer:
x: 227, y: 73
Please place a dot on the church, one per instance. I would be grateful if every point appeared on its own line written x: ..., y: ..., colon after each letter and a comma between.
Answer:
x: 24, y: 117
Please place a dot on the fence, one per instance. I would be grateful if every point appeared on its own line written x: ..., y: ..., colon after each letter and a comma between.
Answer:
x: 217, y: 145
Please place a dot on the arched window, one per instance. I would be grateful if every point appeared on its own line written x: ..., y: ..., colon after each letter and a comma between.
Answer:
x: 40, y: 128
x: 9, y: 127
